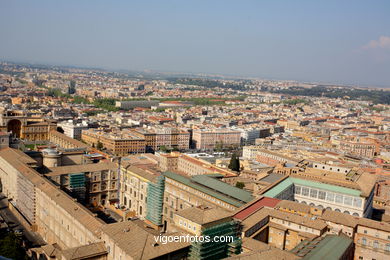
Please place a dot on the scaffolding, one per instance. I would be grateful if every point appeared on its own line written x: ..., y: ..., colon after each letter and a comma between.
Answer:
x: 155, y: 201
x: 218, y: 250
x: 77, y: 185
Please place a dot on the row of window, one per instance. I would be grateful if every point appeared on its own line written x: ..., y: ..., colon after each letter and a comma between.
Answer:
x: 328, y: 196
x: 375, y: 244
x: 184, y: 224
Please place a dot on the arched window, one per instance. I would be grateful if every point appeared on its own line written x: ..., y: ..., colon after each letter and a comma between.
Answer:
x: 347, y: 212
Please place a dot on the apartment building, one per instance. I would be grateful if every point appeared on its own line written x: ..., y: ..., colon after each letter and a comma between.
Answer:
x: 73, y: 130
x: 273, y: 158
x: 207, y: 139
x: 116, y: 142
x: 168, y: 137
x: 250, y: 152
x: 188, y: 165
x: 362, y: 149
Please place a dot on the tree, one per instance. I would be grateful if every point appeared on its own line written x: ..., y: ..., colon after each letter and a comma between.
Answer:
x: 10, y: 247
x: 219, y: 146
x: 240, y: 185
x: 99, y: 145
x: 163, y: 148
x: 234, y: 164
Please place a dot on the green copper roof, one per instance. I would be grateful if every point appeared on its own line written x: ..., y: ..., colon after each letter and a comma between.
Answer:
x: 275, y: 191
x: 323, y: 186
x: 215, y: 188
x: 223, y: 187
x: 331, y: 247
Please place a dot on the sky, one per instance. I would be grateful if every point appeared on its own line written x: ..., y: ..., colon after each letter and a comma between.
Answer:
x: 340, y: 42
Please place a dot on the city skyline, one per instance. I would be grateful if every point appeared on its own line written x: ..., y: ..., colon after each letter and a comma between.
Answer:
x: 336, y: 43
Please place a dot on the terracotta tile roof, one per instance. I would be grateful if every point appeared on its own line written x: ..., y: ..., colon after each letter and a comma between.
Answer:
x: 123, y: 234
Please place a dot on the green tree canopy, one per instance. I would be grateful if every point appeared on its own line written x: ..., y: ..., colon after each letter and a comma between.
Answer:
x: 234, y: 164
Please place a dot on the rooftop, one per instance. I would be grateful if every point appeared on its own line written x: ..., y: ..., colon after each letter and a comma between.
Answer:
x: 220, y: 190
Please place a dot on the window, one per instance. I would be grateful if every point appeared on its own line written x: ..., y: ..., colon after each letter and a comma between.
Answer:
x: 330, y: 196
x: 270, y: 239
x: 339, y: 198
x: 297, y: 190
x: 376, y: 244
x: 387, y: 247
x: 313, y: 193
x: 305, y: 191
x: 347, y: 200
x: 364, y: 241
x: 321, y: 195
x: 365, y: 231
x: 357, y: 202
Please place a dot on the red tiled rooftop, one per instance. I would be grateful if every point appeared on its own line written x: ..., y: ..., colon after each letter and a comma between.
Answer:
x: 263, y: 202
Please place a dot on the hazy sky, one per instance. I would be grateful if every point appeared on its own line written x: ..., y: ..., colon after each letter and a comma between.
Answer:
x: 330, y: 41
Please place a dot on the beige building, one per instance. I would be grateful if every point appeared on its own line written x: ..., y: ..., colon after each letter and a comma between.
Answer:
x: 96, y: 184
x: 188, y: 165
x: 133, y: 192
x: 286, y: 224
x: 207, y: 139
x: 20, y: 125
x: 70, y: 230
x: 131, y: 240
x: 4, y: 140
x: 182, y: 192
x: 169, y: 137
x: 363, y: 149
x: 119, y: 143
x: 53, y: 214
x: 66, y: 142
